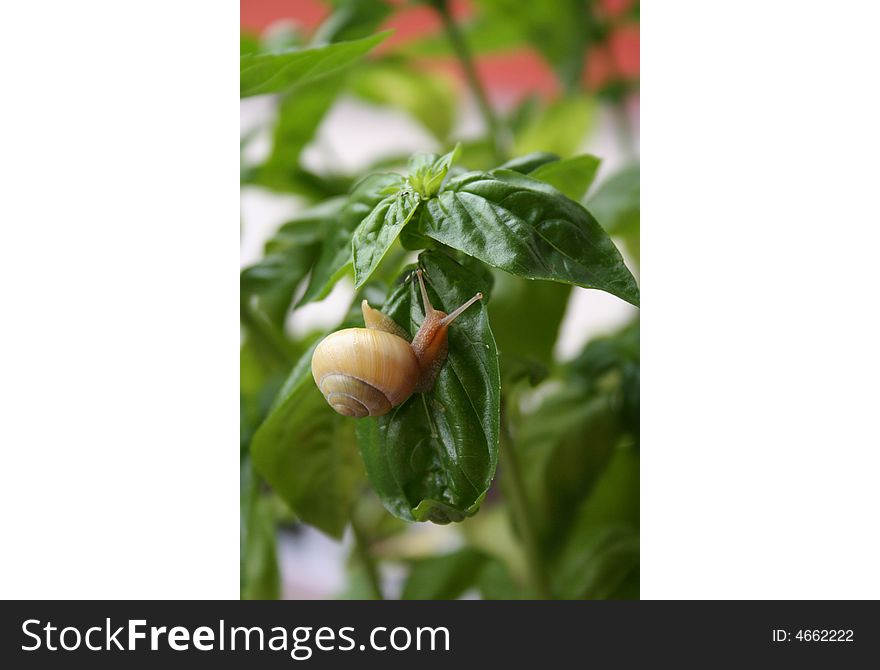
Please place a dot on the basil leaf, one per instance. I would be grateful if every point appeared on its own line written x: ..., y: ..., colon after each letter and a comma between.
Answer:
x: 427, y: 171
x: 600, y: 558
x: 375, y: 235
x: 496, y: 583
x: 249, y: 44
x: 299, y: 115
x: 564, y: 448
x: 478, y: 154
x: 612, y: 362
x: 529, y: 162
x: 335, y: 258
x: 444, y: 577
x: 572, y: 176
x: 289, y: 255
x: 615, y: 204
x: 351, y: 19
x: 277, y: 72
x: 529, y: 229
x: 259, y: 575
x: 546, y: 302
x: 559, y: 128
x: 617, y: 198
x: 258, y: 570
x: 433, y: 457
x: 606, y: 564
x: 307, y: 453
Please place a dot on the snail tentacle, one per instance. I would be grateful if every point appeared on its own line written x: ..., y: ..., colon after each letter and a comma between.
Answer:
x: 367, y: 371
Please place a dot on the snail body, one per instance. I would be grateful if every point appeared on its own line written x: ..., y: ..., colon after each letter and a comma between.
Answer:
x: 368, y: 371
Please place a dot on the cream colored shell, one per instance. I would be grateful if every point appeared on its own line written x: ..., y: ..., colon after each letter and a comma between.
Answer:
x: 364, y: 372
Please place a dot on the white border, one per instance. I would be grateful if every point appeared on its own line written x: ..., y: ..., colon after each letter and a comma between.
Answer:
x: 119, y: 273
x: 760, y: 357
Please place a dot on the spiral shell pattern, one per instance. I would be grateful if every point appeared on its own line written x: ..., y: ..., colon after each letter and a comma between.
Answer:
x: 364, y: 372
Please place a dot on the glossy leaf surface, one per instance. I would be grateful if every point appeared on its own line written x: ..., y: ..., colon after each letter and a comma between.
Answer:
x: 433, y: 457
x: 373, y: 238
x: 336, y: 252
x: 529, y: 229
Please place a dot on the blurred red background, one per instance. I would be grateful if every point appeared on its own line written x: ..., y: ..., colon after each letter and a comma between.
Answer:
x: 512, y: 74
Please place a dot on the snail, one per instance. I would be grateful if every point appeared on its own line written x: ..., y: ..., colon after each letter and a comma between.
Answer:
x: 367, y: 371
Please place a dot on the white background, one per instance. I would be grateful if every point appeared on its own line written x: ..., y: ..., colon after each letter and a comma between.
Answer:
x: 119, y: 206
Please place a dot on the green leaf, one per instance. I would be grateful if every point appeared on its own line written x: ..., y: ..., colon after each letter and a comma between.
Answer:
x: 572, y: 176
x: 496, y: 583
x: 358, y: 585
x: 529, y: 229
x: 434, y: 457
x: 427, y: 97
x: 259, y: 575
x: 529, y: 162
x: 250, y: 44
x: 335, y: 258
x: 615, y: 204
x: 615, y: 499
x: 607, y: 559
x: 427, y: 171
x: 373, y: 519
x: 299, y: 115
x: 375, y: 235
x: 261, y: 374
x: 564, y: 447
x: 289, y: 255
x: 308, y: 454
x: 278, y: 72
x: 560, y: 128
x: 612, y: 364
x: 258, y: 570
x: 478, y: 154
x: 601, y: 556
x: 351, y: 19
x: 444, y: 577
x: 519, y: 303
x: 616, y: 197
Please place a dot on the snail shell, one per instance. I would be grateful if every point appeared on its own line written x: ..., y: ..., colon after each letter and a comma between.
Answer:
x: 364, y: 372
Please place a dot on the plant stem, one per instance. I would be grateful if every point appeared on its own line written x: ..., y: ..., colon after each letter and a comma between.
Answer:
x: 362, y: 546
x: 467, y: 62
x: 521, y: 512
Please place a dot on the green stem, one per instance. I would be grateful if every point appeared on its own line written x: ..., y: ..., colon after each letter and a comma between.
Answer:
x: 467, y: 62
x: 521, y: 512
x: 362, y: 546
